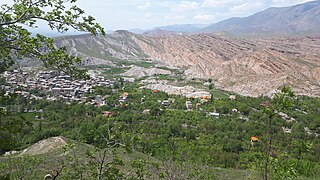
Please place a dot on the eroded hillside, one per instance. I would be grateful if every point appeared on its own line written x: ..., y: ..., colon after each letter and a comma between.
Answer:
x: 245, y: 66
x: 251, y: 67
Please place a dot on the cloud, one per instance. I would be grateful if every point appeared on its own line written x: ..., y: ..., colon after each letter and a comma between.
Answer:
x: 145, y: 6
x: 177, y: 17
x: 203, y: 17
x: 220, y: 3
x: 247, y: 8
x: 185, y: 6
x: 148, y: 15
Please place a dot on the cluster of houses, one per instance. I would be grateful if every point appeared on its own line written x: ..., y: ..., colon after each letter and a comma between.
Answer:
x: 123, y: 98
x: 55, y: 85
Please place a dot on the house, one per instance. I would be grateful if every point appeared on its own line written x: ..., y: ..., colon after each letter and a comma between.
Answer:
x: 56, y: 91
x: 205, y: 97
x: 202, y: 101
x: 129, y: 80
x: 39, y: 118
x: 286, y: 117
x: 254, y: 139
x: 286, y: 130
x: 188, y: 105
x: 3, y: 109
x: 233, y: 97
x: 98, y: 100
x: 146, y: 111
x: 198, y: 105
x: 107, y: 113
x: 165, y: 103
x: 214, y: 114
x: 123, y: 99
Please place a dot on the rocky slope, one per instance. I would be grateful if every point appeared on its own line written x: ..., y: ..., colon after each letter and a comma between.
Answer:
x: 101, y: 50
x: 251, y: 66
x: 248, y: 67
x: 45, y: 146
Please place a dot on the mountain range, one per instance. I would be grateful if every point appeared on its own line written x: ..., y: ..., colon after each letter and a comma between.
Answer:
x: 301, y: 19
x: 293, y: 20
x: 251, y: 66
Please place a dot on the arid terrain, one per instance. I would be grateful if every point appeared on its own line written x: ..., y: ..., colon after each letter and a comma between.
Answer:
x: 247, y: 66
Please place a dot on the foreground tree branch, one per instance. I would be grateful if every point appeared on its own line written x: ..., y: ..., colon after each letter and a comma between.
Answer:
x: 16, y: 42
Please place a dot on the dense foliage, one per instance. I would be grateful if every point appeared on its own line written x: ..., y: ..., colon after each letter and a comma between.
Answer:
x: 17, y: 42
x: 192, y: 137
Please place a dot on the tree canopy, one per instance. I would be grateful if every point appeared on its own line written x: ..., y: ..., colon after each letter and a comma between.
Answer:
x: 17, y: 42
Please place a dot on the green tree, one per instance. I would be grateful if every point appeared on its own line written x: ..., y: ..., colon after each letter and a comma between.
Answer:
x: 281, y: 101
x: 284, y: 99
x: 16, y: 41
x: 19, y: 167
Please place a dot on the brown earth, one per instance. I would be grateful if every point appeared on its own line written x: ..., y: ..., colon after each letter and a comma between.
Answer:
x: 250, y: 67
x: 45, y: 146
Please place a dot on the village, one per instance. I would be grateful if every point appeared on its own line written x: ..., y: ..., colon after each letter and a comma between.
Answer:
x: 53, y: 85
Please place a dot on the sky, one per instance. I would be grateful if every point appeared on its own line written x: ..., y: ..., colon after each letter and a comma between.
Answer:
x: 147, y: 14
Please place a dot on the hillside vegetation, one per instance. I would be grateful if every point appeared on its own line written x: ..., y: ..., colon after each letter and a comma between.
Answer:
x: 193, y: 142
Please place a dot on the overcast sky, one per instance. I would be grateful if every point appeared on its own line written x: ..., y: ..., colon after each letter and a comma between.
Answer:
x: 146, y: 14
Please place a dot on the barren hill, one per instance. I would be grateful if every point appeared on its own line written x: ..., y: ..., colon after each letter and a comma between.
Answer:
x: 251, y: 66
x: 246, y: 66
x: 45, y: 146
x: 97, y: 49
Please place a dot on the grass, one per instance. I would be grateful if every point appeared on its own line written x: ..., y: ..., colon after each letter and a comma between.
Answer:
x: 139, y: 63
x: 174, y: 71
x: 232, y: 174
x: 165, y: 77
x: 29, y: 116
x: 55, y: 159
x: 219, y: 94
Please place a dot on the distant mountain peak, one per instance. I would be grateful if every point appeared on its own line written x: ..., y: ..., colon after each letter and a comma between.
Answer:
x: 159, y: 32
x: 292, y: 20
